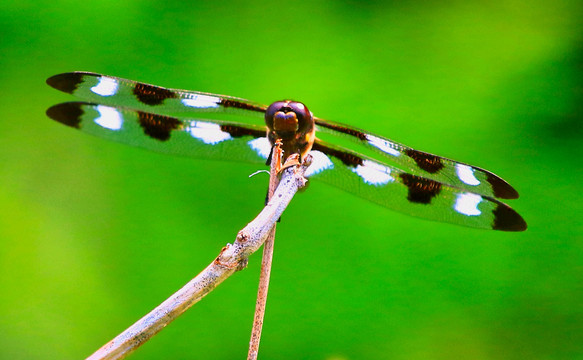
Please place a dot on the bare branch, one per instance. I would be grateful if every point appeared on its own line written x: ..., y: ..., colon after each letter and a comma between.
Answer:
x: 266, y: 260
x: 231, y: 258
x: 261, y: 295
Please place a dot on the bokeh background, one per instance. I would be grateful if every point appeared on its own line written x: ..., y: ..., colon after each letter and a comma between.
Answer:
x: 94, y: 234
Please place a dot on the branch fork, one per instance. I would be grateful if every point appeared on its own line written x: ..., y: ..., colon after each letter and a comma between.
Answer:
x: 233, y: 257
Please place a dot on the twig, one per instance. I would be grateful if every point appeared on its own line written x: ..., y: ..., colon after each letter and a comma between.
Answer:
x: 266, y: 260
x: 231, y: 258
x: 261, y: 295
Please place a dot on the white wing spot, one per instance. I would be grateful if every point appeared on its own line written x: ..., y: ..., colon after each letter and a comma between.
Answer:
x: 320, y: 162
x: 202, y: 101
x: 383, y: 145
x: 466, y: 174
x: 209, y: 133
x: 261, y: 145
x: 373, y: 173
x: 109, y: 118
x: 106, y: 86
x: 467, y: 204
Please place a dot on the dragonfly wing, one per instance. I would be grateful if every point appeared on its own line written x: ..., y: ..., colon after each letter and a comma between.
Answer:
x: 407, y: 193
x: 114, y: 91
x: 204, y: 139
x: 444, y: 170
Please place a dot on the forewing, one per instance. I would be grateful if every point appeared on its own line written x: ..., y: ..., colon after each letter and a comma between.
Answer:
x: 114, y: 91
x: 456, y: 174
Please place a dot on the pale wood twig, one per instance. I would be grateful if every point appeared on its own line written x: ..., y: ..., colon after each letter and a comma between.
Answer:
x: 233, y: 257
x: 266, y: 260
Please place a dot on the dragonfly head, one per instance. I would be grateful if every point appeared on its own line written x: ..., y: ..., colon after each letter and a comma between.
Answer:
x: 288, y: 119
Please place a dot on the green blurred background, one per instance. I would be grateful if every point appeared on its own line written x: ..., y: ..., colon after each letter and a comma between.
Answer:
x: 94, y: 234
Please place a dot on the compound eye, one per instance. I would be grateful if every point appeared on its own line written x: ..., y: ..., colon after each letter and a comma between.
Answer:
x: 271, y: 111
x: 301, y: 111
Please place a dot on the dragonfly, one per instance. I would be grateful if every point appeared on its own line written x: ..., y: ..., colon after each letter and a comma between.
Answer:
x: 394, y: 176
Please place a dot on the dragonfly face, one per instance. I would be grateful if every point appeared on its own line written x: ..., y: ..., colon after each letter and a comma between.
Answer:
x: 291, y: 122
x: 396, y: 176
